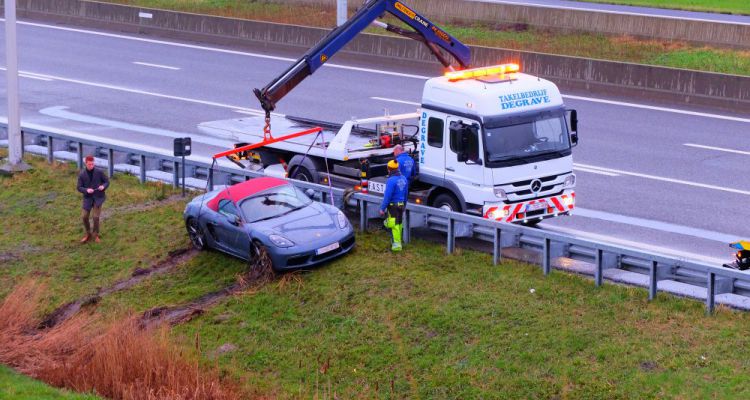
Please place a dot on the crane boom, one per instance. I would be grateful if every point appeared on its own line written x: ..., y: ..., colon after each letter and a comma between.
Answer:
x: 424, y: 31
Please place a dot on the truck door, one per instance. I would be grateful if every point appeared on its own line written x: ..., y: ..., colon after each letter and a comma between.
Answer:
x: 463, y: 157
x: 432, y: 146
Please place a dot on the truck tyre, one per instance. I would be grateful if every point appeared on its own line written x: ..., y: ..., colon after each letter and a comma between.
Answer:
x: 446, y: 202
x: 302, y: 174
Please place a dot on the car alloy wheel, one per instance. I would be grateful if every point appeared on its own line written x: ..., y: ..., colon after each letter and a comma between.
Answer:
x: 197, y: 237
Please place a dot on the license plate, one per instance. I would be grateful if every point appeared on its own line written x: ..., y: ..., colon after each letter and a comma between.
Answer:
x: 326, y: 249
x: 536, y: 206
x: 376, y: 187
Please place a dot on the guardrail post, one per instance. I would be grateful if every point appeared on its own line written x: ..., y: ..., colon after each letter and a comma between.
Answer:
x: 711, y: 289
x: 79, y: 152
x: 451, y: 236
x: 210, y: 179
x: 111, y: 162
x: 23, y: 145
x: 598, y: 271
x: 50, y: 150
x: 362, y: 215
x: 175, y: 174
x: 652, y: 283
x: 406, y: 236
x: 497, y: 248
x: 546, y: 264
x: 143, y: 168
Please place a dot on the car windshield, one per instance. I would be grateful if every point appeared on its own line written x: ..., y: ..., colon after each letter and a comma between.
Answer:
x: 273, y: 202
x: 543, y: 135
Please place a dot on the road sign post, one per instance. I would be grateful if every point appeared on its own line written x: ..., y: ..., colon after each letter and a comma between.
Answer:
x: 15, y: 145
x: 182, y: 148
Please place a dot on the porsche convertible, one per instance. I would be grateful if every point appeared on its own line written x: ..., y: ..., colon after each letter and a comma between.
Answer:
x: 268, y: 215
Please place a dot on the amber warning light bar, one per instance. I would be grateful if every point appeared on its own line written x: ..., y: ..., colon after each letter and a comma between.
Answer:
x: 480, y: 72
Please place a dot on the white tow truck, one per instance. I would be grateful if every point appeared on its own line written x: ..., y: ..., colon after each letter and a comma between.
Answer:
x: 491, y: 141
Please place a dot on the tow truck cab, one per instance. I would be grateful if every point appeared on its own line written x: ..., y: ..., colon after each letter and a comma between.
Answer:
x: 499, y: 144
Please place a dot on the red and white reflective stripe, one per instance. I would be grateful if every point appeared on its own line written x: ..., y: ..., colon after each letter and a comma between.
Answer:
x: 516, y: 210
x: 557, y: 204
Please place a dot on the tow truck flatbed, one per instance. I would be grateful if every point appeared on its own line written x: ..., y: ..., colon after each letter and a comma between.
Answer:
x: 356, y: 138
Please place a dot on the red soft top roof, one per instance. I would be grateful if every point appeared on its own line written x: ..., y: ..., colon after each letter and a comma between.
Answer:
x: 244, y: 189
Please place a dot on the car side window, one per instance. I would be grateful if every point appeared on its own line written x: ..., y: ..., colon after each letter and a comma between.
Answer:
x: 226, y: 207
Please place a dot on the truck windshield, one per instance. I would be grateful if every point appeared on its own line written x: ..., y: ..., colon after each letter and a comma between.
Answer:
x: 547, y: 134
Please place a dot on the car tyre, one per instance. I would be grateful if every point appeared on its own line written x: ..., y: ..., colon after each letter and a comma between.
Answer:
x: 260, y: 263
x: 196, y: 234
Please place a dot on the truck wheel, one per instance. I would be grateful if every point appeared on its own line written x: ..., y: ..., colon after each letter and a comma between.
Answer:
x: 447, y: 202
x: 302, y: 174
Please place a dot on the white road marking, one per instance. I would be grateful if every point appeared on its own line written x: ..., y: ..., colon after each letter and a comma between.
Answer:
x: 30, y: 76
x: 655, y: 108
x: 700, y: 146
x: 616, y: 12
x: 594, y: 171
x: 253, y: 113
x: 63, y: 113
x: 411, y: 103
x: 371, y: 70
x: 156, y: 65
x: 657, y: 225
x: 664, y: 179
x: 143, y: 92
x: 637, y: 245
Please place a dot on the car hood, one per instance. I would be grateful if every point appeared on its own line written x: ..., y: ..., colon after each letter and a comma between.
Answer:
x: 306, y: 225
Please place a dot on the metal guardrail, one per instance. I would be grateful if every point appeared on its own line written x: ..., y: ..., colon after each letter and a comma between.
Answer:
x: 604, y: 256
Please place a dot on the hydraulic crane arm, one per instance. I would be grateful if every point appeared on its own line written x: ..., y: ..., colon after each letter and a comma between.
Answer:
x: 424, y: 31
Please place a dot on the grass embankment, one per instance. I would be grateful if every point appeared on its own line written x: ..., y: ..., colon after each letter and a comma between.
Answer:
x: 518, y: 37
x: 723, y: 6
x: 18, y: 387
x: 373, y: 325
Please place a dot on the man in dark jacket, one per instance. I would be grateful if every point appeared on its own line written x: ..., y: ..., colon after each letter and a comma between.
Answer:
x: 92, y: 183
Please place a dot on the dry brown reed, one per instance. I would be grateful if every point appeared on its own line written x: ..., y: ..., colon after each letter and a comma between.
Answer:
x: 114, y: 359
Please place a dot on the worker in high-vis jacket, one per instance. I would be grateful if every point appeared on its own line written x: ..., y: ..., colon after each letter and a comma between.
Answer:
x: 394, y: 202
x: 405, y: 163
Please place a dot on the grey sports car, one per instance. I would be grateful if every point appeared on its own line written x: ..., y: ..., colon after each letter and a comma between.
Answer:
x: 271, y: 214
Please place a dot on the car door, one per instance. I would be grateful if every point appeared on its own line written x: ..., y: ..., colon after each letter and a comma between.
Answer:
x: 231, y: 234
x: 467, y: 175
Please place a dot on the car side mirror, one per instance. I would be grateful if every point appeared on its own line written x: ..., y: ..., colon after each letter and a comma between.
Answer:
x: 234, y: 219
x: 574, y: 138
x: 574, y: 120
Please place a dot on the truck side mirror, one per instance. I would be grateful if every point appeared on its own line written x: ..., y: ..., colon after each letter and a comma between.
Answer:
x: 574, y: 121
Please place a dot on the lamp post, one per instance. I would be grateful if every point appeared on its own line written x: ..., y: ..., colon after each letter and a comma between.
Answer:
x: 15, y: 150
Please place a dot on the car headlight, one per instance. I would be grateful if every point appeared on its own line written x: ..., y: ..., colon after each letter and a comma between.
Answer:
x: 570, y: 181
x: 342, y: 220
x: 280, y: 241
x: 500, y: 194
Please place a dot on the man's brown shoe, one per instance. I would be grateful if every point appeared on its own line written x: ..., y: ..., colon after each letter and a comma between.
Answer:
x: 96, y: 239
x: 86, y: 238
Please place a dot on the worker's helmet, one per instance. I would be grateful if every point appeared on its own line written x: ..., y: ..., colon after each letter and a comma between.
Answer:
x: 392, y: 165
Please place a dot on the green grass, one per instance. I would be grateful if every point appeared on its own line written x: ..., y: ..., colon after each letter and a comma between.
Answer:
x: 19, y: 387
x: 720, y: 6
x: 591, y: 45
x: 418, y: 324
x: 40, y: 211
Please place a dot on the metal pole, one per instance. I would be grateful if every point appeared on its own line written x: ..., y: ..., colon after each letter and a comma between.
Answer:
x: 111, y: 162
x: 15, y: 145
x: 546, y: 262
x: 341, y: 12
x: 598, y: 270
x: 710, y: 293
x: 652, y: 282
x: 497, y: 250
x: 183, y: 176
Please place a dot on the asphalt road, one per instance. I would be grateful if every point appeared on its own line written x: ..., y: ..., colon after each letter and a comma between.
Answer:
x: 621, y: 9
x: 672, y: 179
